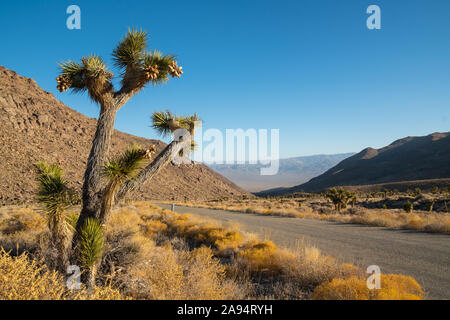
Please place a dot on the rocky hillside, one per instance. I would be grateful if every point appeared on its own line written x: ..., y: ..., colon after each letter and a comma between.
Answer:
x: 35, y: 126
x: 407, y: 159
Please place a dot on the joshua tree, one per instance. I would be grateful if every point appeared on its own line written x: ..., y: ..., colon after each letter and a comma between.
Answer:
x: 353, y: 198
x: 57, y: 198
x: 339, y: 197
x: 432, y: 202
x: 408, y: 207
x: 138, y: 68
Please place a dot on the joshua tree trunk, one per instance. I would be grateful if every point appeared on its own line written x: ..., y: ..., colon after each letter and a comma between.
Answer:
x: 91, y: 274
x: 60, y: 242
x: 92, y: 187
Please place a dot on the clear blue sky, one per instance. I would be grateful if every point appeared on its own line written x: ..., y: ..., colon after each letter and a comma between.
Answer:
x: 310, y: 68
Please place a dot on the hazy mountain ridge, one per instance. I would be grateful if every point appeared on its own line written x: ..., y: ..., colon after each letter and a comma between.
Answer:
x: 292, y: 171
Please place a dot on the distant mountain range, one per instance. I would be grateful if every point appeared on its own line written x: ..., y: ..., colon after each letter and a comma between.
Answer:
x: 292, y: 171
x: 407, y: 159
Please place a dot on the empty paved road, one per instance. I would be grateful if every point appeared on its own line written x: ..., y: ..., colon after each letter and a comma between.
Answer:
x: 424, y: 256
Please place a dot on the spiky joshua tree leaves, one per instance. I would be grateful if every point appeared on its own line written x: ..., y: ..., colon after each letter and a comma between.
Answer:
x: 90, y: 248
x: 165, y: 123
x: 107, y: 181
x: 121, y: 169
x: 56, y: 197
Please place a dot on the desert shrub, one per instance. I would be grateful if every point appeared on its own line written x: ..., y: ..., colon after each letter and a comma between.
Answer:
x: 415, y: 223
x: 154, y: 227
x: 352, y: 288
x: 393, y: 287
x: 249, y: 210
x: 263, y: 257
x: 22, y: 220
x: 22, y: 278
x: 231, y: 239
x: 311, y: 268
x: 175, y: 274
x: 399, y: 287
x: 124, y: 245
x: 21, y: 230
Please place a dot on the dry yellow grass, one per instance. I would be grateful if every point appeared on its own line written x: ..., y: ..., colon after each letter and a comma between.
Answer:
x: 175, y: 274
x: 24, y: 279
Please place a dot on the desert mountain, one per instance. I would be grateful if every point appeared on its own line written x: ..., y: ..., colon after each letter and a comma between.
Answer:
x: 407, y: 159
x: 292, y: 171
x: 35, y: 126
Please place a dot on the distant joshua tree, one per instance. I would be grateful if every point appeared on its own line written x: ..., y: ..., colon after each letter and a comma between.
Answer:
x: 432, y: 202
x: 107, y: 181
x: 408, y: 207
x: 435, y: 190
x: 340, y: 198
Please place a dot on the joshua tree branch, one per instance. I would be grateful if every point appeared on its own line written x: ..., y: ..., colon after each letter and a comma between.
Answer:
x: 153, y: 168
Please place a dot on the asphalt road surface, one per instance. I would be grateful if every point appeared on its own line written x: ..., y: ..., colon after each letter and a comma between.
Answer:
x: 424, y: 256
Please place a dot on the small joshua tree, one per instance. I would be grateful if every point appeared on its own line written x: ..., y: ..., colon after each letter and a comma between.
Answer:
x: 408, y: 207
x: 138, y: 68
x: 90, y: 248
x: 353, y: 199
x: 432, y: 202
x: 56, y: 198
